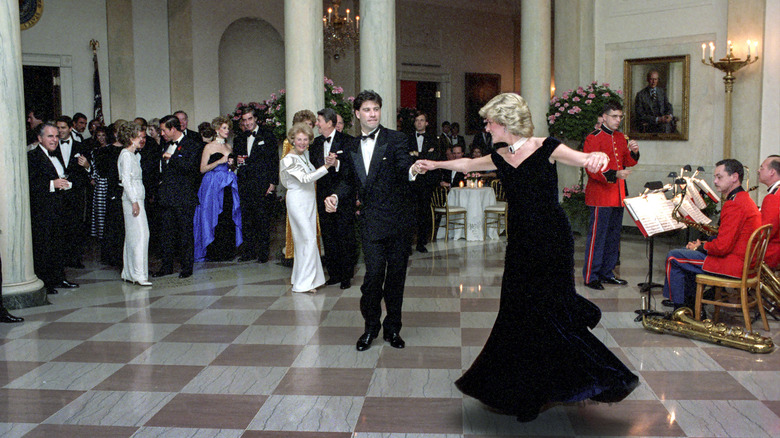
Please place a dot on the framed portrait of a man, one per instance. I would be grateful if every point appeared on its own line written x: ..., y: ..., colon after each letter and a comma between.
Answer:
x: 657, y: 97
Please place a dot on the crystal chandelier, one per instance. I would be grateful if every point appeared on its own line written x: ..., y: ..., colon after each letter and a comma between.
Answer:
x: 340, y: 33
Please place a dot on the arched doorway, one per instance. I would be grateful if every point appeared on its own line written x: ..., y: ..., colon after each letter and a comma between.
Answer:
x: 251, y: 63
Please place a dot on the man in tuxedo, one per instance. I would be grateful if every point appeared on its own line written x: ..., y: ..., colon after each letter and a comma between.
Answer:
x: 184, y: 122
x: 338, y: 228
x: 445, y: 142
x: 451, y: 178
x: 74, y: 212
x: 380, y: 170
x: 455, y: 138
x: 80, y: 132
x: 177, y: 197
x: 48, y: 189
x: 653, y: 110
x: 257, y: 156
x: 34, y: 119
x: 484, y: 141
x: 339, y: 123
x: 423, y: 148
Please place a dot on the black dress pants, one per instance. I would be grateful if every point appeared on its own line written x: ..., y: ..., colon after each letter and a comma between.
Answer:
x: 386, y: 261
x: 256, y: 226
x: 338, y: 239
x: 177, y: 226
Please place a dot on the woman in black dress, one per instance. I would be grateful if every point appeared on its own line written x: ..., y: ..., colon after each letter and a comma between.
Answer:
x: 540, y: 350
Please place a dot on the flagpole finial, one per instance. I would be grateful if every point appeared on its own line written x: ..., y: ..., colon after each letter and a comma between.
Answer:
x: 95, y: 44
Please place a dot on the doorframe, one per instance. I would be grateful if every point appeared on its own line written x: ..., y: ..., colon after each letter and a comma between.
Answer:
x: 65, y: 64
x: 444, y: 81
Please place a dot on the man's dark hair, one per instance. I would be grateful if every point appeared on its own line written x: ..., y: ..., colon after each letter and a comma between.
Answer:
x: 329, y: 114
x: 37, y: 113
x: 445, y: 123
x: 39, y: 129
x: 611, y: 105
x: 144, y: 124
x: 366, y: 96
x: 79, y: 116
x: 250, y: 109
x: 206, y: 131
x: 171, y: 122
x: 457, y: 146
x: 775, y: 163
x: 732, y: 166
x: 421, y: 113
x: 64, y: 119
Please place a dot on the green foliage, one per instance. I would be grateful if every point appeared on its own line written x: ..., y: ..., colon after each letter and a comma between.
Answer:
x: 574, y: 115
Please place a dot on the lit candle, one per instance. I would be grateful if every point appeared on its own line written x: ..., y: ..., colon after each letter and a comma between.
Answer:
x: 729, y: 48
x: 347, y: 14
x: 480, y: 183
x: 461, y: 184
x: 330, y: 11
x: 748, y: 48
x: 755, y: 48
x: 712, y: 49
x: 702, y: 50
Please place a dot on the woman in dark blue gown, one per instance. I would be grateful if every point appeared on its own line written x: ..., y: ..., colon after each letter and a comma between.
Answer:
x: 540, y: 350
x: 217, y: 222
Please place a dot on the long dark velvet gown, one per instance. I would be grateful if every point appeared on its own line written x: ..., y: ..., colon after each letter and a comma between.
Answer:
x: 217, y: 220
x: 540, y: 349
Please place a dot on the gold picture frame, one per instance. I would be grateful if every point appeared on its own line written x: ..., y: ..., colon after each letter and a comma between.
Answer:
x: 30, y: 11
x: 644, y: 115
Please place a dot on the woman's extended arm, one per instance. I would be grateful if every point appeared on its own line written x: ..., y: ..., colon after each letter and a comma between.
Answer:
x: 463, y: 165
x: 593, y: 161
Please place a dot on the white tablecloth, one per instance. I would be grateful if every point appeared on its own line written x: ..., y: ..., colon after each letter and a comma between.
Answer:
x: 474, y: 200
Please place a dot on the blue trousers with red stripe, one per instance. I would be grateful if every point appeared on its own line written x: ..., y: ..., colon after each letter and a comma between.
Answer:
x: 602, y: 248
x: 682, y: 266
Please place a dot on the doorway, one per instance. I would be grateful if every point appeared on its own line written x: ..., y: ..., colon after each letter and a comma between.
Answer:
x: 42, y: 91
x: 420, y: 95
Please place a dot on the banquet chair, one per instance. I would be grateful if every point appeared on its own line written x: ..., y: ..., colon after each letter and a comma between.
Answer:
x: 495, y: 215
x: 455, y: 217
x: 750, y: 281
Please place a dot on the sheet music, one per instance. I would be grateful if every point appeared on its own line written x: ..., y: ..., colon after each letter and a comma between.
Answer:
x: 689, y: 210
x: 692, y: 192
x: 653, y: 212
x: 712, y: 194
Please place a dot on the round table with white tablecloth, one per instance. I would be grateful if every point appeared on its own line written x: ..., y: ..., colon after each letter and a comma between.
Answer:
x: 474, y: 200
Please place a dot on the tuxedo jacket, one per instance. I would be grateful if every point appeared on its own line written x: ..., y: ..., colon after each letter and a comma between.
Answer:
x: 484, y: 141
x: 430, y: 151
x: 45, y: 205
x: 739, y: 217
x: 327, y: 185
x: 386, y: 206
x: 180, y: 176
x: 447, y: 176
x: 260, y: 169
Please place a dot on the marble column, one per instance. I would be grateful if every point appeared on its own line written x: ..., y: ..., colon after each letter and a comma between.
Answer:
x: 535, y: 42
x: 303, y: 57
x: 377, y: 55
x: 21, y: 288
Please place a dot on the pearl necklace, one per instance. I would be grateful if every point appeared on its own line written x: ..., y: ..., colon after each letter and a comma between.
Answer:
x: 516, y: 147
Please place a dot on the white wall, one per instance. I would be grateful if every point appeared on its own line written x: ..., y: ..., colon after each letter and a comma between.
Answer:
x: 150, y: 48
x: 64, y: 31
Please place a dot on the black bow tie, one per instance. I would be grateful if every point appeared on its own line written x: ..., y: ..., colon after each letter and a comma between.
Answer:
x: 327, y: 140
x: 253, y: 134
x: 420, y: 135
x: 175, y: 143
x: 371, y: 136
x: 65, y: 142
x: 52, y: 153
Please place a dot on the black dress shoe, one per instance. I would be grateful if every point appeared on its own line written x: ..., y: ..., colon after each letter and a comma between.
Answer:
x: 421, y: 249
x: 185, y: 274
x: 331, y: 281
x: 595, y: 284
x: 346, y: 284
x: 364, y: 341
x: 615, y: 280
x: 161, y: 273
x: 394, y: 339
x: 7, y: 317
x: 668, y: 303
x: 51, y: 291
x: 68, y: 285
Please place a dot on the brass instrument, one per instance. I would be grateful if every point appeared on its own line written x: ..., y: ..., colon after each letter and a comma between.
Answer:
x: 770, y: 291
x: 682, y: 323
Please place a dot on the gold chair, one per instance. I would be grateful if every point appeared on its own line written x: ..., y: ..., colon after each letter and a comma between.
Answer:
x: 751, y: 280
x: 495, y: 215
x: 455, y: 217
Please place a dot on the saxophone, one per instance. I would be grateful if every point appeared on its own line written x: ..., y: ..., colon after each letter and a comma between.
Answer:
x: 770, y: 291
x: 682, y: 323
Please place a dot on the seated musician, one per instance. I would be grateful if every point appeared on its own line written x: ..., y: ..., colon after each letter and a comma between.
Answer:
x: 769, y: 175
x: 723, y: 255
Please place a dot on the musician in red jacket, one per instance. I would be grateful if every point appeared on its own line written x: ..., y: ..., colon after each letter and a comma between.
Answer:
x: 725, y: 254
x: 769, y: 175
x: 604, y: 196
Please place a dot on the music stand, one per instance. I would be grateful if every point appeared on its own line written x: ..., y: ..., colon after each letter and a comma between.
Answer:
x: 649, y: 285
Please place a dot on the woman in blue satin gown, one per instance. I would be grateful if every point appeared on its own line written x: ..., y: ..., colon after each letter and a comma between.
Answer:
x: 217, y: 223
x: 540, y: 350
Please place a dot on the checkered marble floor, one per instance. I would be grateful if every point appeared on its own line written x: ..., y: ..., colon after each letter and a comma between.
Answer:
x: 231, y: 352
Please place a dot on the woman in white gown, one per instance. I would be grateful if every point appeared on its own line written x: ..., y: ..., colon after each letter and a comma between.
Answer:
x: 136, y: 251
x: 298, y: 175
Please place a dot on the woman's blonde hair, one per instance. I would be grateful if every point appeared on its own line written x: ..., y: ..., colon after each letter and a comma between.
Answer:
x: 304, y: 115
x: 511, y: 111
x: 127, y: 131
x: 300, y: 127
x: 219, y: 121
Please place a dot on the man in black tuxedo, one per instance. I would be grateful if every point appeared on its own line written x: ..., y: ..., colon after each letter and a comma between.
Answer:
x: 380, y: 169
x: 80, y: 132
x: 48, y: 189
x: 653, y: 111
x: 74, y: 212
x: 338, y: 229
x: 451, y: 178
x: 184, y: 121
x: 257, y: 156
x: 484, y: 141
x: 177, y: 197
x: 424, y: 147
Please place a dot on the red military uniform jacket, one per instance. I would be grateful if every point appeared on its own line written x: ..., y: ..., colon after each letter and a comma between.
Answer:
x: 739, y: 217
x: 604, y: 189
x: 770, y: 214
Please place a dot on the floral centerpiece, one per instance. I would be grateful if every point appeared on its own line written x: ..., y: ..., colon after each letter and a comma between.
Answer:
x: 573, y: 116
x: 273, y: 111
